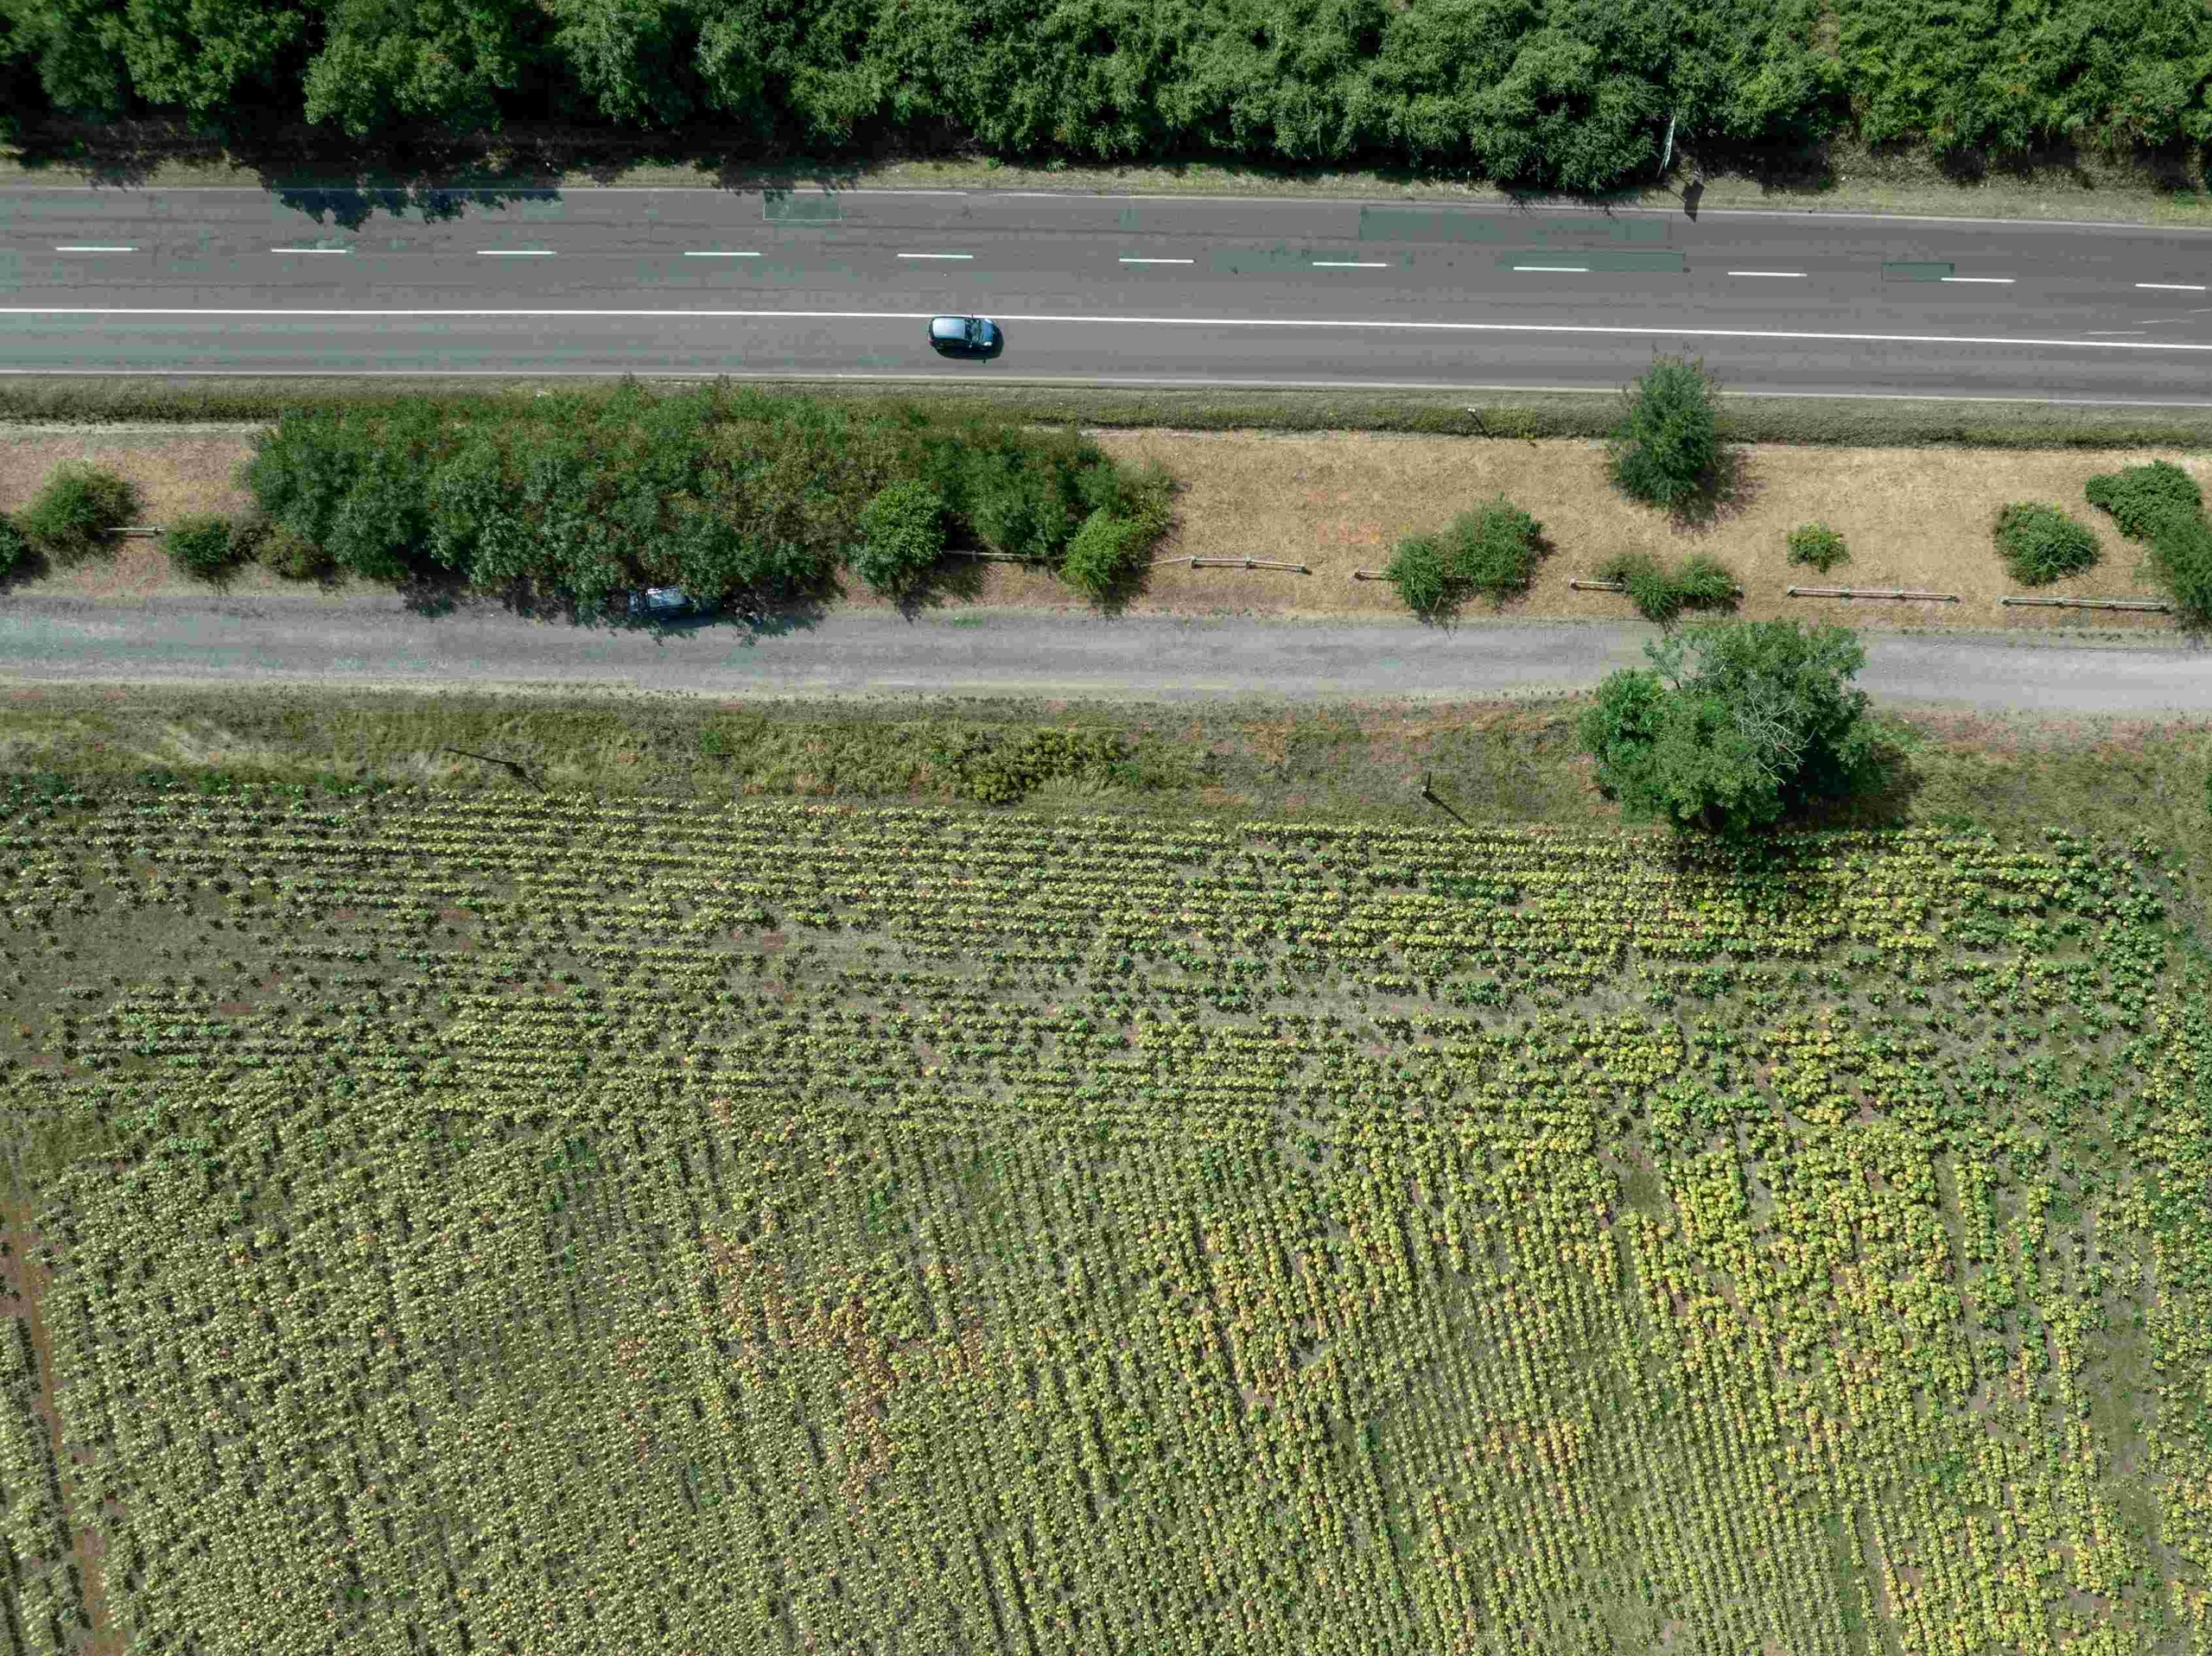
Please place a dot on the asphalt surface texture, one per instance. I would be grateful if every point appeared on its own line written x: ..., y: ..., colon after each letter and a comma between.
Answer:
x: 1093, y: 289
x: 365, y: 642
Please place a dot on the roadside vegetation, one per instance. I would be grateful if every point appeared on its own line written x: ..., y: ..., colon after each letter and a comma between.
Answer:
x: 2162, y: 507
x: 738, y: 496
x: 1489, y: 552
x: 1533, y: 99
x: 2040, y: 543
x: 1734, y: 726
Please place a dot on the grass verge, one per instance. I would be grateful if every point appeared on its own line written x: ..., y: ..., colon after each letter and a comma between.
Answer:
x: 1505, y: 414
x: 1498, y: 764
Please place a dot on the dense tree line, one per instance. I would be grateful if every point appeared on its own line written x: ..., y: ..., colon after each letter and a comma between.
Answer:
x: 737, y: 495
x: 1560, y: 92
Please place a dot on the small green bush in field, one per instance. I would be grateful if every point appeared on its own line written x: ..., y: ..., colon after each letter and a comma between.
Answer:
x: 203, y: 547
x: 1819, y: 546
x: 15, y: 547
x: 1704, y: 583
x: 75, y: 512
x: 1104, y: 553
x: 1420, y: 569
x: 2143, y: 497
x: 902, y: 535
x: 293, y: 557
x: 1493, y: 549
x: 2041, y: 544
x: 1700, y: 581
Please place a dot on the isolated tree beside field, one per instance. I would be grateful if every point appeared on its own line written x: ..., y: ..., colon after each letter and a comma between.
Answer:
x: 1666, y: 450
x: 1734, y: 726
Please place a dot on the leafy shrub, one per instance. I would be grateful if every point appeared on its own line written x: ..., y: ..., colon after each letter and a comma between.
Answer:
x: 1667, y: 447
x: 1493, y: 549
x: 1818, y: 546
x: 2142, y: 498
x: 996, y: 771
x: 2181, y: 558
x: 1104, y: 552
x: 2041, y: 544
x: 1421, y: 569
x: 15, y: 547
x: 73, y: 514
x: 1734, y: 725
x: 291, y: 556
x: 746, y: 498
x: 204, y: 548
x: 1660, y: 593
x: 902, y: 535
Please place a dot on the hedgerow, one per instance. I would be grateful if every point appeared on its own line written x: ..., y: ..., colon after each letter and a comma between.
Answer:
x: 737, y: 495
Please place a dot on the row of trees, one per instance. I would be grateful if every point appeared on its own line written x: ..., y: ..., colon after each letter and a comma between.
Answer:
x: 1554, y: 92
x: 739, y: 496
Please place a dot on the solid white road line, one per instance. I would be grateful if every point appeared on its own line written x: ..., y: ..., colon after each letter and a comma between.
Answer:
x: 309, y: 249
x: 515, y: 252
x: 937, y: 256
x: 2001, y: 281
x: 1351, y: 265
x: 716, y: 253
x: 1767, y: 273
x: 1127, y: 259
x: 1645, y: 331
x: 2174, y: 287
x: 95, y: 250
x: 1569, y: 270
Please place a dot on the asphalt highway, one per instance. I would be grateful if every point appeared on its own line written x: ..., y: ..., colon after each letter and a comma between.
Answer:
x: 1093, y: 289
x: 374, y: 641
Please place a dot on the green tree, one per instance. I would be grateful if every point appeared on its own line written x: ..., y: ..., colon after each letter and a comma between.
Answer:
x: 75, y: 514
x: 207, y: 57
x: 1666, y: 450
x: 393, y: 63
x: 902, y: 536
x: 629, y: 57
x: 15, y: 547
x: 1734, y: 726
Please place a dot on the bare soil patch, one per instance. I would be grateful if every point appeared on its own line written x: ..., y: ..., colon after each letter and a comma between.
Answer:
x: 1337, y: 501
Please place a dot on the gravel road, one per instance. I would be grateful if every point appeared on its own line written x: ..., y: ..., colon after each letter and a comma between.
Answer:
x: 375, y: 640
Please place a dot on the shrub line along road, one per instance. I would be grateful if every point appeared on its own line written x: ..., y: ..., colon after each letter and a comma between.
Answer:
x: 1102, y: 289
x: 374, y: 641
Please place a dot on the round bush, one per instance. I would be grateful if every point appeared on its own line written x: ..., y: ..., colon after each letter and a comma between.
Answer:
x: 1493, y: 549
x: 1704, y: 583
x: 1421, y: 571
x: 15, y: 547
x: 1102, y: 554
x: 2041, y: 544
x: 293, y: 557
x: 1668, y: 444
x: 204, y: 548
x: 75, y: 512
x: 1818, y: 546
x: 902, y: 535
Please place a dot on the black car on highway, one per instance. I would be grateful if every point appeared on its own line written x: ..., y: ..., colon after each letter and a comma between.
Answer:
x: 965, y: 336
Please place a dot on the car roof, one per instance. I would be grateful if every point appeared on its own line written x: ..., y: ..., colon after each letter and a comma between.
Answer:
x: 950, y: 327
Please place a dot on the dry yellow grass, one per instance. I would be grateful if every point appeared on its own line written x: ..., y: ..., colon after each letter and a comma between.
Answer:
x: 1914, y: 517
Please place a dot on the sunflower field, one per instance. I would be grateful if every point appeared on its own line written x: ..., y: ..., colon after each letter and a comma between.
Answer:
x: 515, y: 1223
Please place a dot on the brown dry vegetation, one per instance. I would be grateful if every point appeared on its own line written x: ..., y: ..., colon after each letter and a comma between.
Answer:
x: 1337, y: 501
